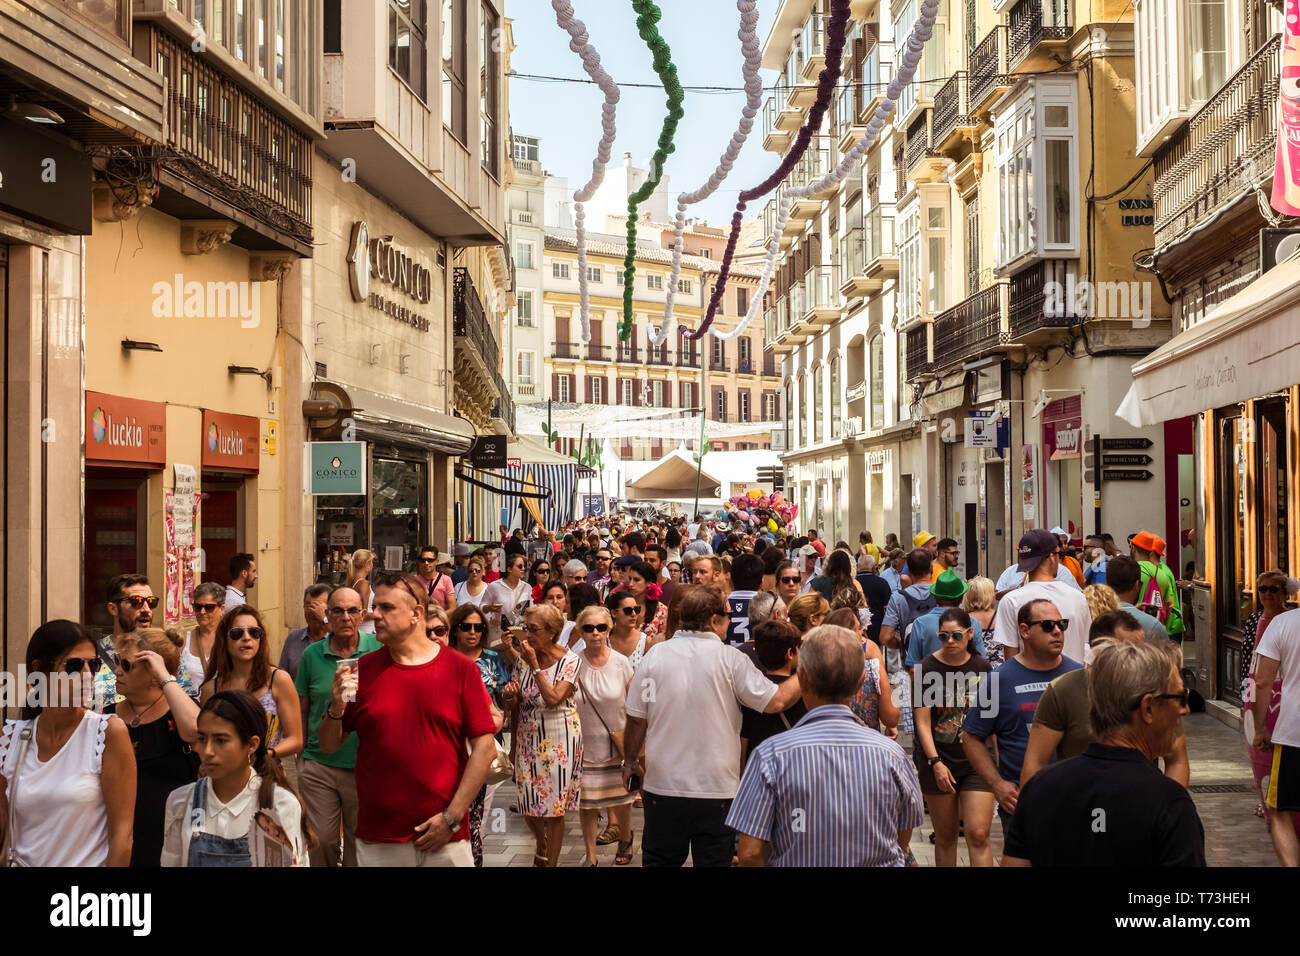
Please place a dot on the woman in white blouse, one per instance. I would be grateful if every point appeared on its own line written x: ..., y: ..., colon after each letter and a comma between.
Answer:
x: 472, y: 589
x: 67, y: 774
x: 243, y: 811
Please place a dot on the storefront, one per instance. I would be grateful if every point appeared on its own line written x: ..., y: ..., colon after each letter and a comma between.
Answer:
x: 126, y: 450
x: 1061, y: 426
x: 231, y: 462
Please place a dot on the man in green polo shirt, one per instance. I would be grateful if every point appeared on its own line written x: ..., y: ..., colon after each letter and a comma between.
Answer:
x: 326, y: 780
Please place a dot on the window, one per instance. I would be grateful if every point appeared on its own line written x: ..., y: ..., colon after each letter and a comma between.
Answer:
x: 524, y: 255
x: 654, y: 282
x: 742, y: 301
x: 597, y: 389
x: 279, y: 45
x: 909, y: 266
x: 524, y: 307
x: 562, y: 388
x: 742, y: 406
x: 933, y: 65
x: 406, y: 42
x: 526, y: 149
x: 625, y: 391
x: 803, y: 410
x: 593, y: 274
x: 684, y: 286
x: 618, y: 277
x: 835, y: 396
x: 454, y: 56
x: 1036, y: 153
x: 489, y: 89
x: 524, y: 367
x: 744, y: 353
x: 657, y: 393
x: 877, y: 357
x: 1185, y: 51
x: 333, y: 26
x: 241, y: 28
x: 719, y: 405
x: 688, y: 395
x: 559, y: 270
x: 769, y: 406
x: 263, y: 29
x: 935, y: 233
x: 718, y: 354
x: 819, y: 397
x: 789, y: 408
x: 904, y: 408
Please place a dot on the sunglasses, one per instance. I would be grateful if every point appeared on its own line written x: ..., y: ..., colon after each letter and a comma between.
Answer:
x: 794, y: 580
x: 542, y: 570
x: 137, y: 601
x: 629, y: 611
x: 206, y: 608
x: 1182, y: 697
x: 469, y: 628
x: 438, y: 631
x: 595, y: 628
x: 428, y: 560
x: 1049, y: 625
x: 952, y: 635
x: 1269, y: 588
x: 237, y: 633
x: 74, y: 665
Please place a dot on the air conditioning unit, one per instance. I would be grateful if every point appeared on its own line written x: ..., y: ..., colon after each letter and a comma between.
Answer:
x: 1277, y: 245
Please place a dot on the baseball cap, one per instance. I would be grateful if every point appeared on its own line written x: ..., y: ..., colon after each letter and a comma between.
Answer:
x: 462, y: 550
x: 1035, y: 545
x: 1149, y: 542
x: 1059, y: 530
x: 920, y: 540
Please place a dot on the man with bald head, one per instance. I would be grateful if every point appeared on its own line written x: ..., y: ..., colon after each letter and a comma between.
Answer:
x: 327, y: 781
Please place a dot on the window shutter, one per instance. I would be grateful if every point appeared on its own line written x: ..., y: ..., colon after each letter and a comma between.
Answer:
x: 561, y: 330
x: 573, y: 387
x: 618, y: 391
x: 555, y: 386
x: 588, y: 381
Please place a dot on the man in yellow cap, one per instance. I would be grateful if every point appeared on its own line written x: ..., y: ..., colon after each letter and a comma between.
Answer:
x: 929, y: 542
x: 1160, y: 601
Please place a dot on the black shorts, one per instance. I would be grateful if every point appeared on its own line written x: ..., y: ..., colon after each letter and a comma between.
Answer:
x: 1283, y: 792
x: 964, y: 778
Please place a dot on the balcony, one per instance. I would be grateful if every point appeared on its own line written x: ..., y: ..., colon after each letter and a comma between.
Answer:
x: 848, y: 107
x: 1028, y: 319
x: 953, y: 121
x: 812, y: 168
x: 1036, y: 29
x: 821, y: 296
x: 769, y: 367
x: 718, y: 363
x: 1225, y: 148
x: 503, y: 409
x: 789, y: 316
x: 746, y: 367
x: 918, y: 350
x: 868, y: 258
x: 970, y: 329
x: 526, y: 390
x: 658, y: 356
x: 920, y: 161
x: 597, y: 352
x: 569, y: 351
x: 774, y: 328
x: 688, y: 359
x: 477, y: 350
x: 789, y: 116
x: 525, y: 217
x: 532, y: 167
x: 988, y: 70
x: 814, y: 47
x: 776, y: 139
x: 628, y: 354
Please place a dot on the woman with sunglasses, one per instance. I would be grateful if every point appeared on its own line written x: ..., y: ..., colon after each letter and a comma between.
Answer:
x: 472, y: 590
x: 162, y: 721
x: 626, y: 636
x: 69, y: 772
x: 540, y: 574
x: 602, y: 711
x: 213, y: 821
x: 506, y: 599
x: 468, y: 633
x: 196, y: 654
x: 436, y: 623
x: 548, y: 736
x: 642, y: 582
x: 789, y: 582
x: 945, y: 687
x: 242, y: 661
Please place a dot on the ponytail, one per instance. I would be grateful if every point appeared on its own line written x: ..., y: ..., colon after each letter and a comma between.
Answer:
x: 272, y: 773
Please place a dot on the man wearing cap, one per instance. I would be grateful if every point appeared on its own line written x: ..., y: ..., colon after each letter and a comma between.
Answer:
x: 1013, y: 577
x: 1147, y: 549
x: 892, y: 574
x: 460, y: 554
x: 807, y: 567
x: 947, y: 590
x: 1039, y: 558
x: 1068, y: 561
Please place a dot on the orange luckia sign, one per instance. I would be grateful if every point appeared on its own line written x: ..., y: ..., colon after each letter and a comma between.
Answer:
x: 231, y: 442
x: 125, y: 431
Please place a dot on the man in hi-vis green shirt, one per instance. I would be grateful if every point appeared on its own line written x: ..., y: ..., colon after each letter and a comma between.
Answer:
x: 1147, y: 549
x: 327, y: 781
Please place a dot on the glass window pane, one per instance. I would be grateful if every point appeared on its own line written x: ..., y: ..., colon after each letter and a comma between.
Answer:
x: 1058, y: 117
x: 937, y: 275
x: 877, y: 382
x: 1058, y: 192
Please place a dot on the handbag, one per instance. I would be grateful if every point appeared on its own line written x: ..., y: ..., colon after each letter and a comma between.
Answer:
x: 500, y: 769
x: 11, y: 857
x: 615, y: 736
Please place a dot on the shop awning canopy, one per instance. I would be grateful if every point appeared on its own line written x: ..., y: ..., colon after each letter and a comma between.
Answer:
x: 673, y: 476
x: 398, y: 420
x: 944, y: 394
x: 1247, y: 347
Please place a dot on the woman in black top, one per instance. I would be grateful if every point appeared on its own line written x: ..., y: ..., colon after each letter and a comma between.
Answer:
x: 162, y: 721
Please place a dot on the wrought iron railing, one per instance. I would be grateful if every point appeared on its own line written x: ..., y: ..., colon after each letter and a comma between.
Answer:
x: 597, y: 352
x: 769, y: 366
x: 918, y: 351
x: 968, y: 328
x: 470, y: 322
x: 627, y: 353
x: 1028, y: 300
x: 718, y: 363
x: 988, y: 65
x: 918, y: 142
x: 1034, y: 21
x: 952, y: 107
x: 771, y: 109
x: 568, y: 350
x: 1227, y: 147
x: 688, y: 359
x: 654, y: 356
x: 815, y: 163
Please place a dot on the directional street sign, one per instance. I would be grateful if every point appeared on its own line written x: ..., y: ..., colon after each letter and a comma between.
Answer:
x: 1111, y: 461
x: 1125, y: 444
x: 1125, y: 474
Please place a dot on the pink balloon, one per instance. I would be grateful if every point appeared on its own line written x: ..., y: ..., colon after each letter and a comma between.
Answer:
x: 743, y: 515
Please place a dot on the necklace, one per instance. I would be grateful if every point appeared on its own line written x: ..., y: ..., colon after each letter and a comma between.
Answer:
x: 135, y: 721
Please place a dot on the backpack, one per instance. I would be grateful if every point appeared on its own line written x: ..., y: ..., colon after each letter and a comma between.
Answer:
x: 1153, y: 602
x: 919, y: 608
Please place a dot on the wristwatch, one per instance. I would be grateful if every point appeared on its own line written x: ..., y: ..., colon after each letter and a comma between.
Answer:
x: 171, y: 679
x: 935, y: 760
x: 453, y: 824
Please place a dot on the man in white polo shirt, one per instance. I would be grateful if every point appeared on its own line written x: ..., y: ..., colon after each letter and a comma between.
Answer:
x: 684, y: 704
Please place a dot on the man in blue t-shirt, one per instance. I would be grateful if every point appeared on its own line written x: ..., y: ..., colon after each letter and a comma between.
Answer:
x: 947, y: 591
x: 1016, y: 687
x: 746, y: 578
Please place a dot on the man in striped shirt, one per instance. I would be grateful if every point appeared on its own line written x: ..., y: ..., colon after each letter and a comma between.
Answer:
x: 829, y: 791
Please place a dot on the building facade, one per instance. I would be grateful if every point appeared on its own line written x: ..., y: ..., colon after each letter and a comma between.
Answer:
x: 525, y: 333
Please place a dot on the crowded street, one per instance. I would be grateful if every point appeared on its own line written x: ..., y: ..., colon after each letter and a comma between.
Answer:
x: 602, y: 434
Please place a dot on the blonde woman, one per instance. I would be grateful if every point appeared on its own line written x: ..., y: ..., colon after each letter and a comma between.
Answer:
x: 807, y: 611
x: 1101, y: 599
x: 363, y: 563
x: 981, y: 602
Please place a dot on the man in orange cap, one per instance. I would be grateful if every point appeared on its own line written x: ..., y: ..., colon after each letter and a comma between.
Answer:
x: 1161, y: 598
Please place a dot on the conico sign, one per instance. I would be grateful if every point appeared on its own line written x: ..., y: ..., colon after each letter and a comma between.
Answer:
x: 382, y: 260
x: 231, y: 442
x: 125, y: 431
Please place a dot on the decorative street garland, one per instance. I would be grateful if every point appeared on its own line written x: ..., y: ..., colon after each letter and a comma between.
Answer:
x: 648, y: 15
x: 921, y: 32
x: 753, y: 53
x: 581, y: 45
x: 836, y: 32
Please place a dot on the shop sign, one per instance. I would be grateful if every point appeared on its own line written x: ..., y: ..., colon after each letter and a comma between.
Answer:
x: 1029, y: 485
x: 1063, y: 439
x: 1125, y: 444
x: 382, y: 260
x: 593, y: 504
x: 877, y: 458
x: 981, y: 430
x: 856, y: 391
x: 489, y: 451
x: 336, y: 468
x: 230, y: 442
x: 125, y: 431
x: 341, y: 534
x: 35, y: 171
x: 514, y: 463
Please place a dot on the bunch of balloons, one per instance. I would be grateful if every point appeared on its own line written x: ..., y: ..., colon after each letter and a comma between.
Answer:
x: 759, y: 510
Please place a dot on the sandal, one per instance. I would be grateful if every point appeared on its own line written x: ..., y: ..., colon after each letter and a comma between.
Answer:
x: 1259, y: 809
x: 636, y: 801
x: 624, y: 855
x: 540, y: 859
x: 611, y: 835
x: 588, y: 861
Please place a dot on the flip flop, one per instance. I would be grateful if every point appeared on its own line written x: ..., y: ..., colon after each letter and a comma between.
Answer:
x: 611, y: 835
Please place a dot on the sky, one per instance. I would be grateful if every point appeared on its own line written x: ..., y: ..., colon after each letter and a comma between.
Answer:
x: 566, y: 116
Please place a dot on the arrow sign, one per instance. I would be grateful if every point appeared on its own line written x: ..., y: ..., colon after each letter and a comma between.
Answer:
x: 1125, y: 444
x: 1111, y: 460
x: 1126, y: 474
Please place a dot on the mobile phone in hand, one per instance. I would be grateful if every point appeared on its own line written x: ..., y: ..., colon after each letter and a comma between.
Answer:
x: 634, y: 783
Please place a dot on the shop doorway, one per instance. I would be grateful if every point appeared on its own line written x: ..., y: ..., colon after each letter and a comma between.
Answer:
x: 117, y: 519
x: 998, y: 534
x: 398, y: 493
x: 222, y: 521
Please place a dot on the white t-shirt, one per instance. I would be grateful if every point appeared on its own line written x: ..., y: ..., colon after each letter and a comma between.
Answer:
x: 689, y: 690
x: 464, y: 597
x: 1282, y: 643
x: 498, y: 592
x: 1012, y: 577
x: 1068, y: 600
x: 234, y: 597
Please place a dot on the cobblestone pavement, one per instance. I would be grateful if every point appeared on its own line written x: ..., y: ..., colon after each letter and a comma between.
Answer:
x: 1221, y: 781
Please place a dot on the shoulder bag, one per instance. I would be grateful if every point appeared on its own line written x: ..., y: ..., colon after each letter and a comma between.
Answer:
x: 12, y: 858
x: 615, y: 736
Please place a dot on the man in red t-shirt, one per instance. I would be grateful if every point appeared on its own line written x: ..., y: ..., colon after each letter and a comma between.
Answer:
x: 416, y: 706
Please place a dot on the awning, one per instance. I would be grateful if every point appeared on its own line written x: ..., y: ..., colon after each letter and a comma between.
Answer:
x: 397, y: 420
x: 1248, y: 346
x: 673, y: 476
x: 944, y: 395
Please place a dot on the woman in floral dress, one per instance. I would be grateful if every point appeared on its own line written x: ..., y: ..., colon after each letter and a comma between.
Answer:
x: 547, y: 739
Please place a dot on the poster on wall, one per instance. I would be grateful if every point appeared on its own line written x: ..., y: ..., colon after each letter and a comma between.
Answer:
x: 1029, y: 485
x: 1285, y: 196
x: 180, y: 553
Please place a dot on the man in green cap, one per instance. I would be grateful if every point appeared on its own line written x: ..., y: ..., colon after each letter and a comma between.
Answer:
x: 948, y: 589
